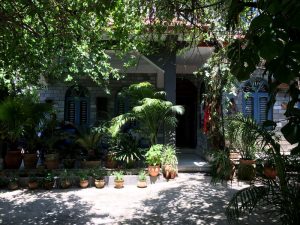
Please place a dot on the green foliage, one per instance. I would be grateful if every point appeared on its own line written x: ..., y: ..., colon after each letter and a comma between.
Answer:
x: 168, y: 156
x: 49, y: 177
x: 126, y: 148
x: 222, y: 168
x: 218, y: 80
x: 153, y: 155
x: 151, y: 114
x: 22, y: 117
x: 119, y: 175
x: 66, y: 39
x: 240, y: 133
x: 142, y: 176
x: 98, y: 174
x: 83, y: 175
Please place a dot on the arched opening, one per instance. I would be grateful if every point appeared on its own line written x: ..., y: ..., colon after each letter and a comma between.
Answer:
x: 186, y: 131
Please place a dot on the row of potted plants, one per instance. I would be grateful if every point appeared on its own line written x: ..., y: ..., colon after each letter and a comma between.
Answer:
x: 65, y: 180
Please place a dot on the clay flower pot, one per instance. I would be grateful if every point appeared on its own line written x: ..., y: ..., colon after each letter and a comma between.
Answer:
x: 32, y: 185
x: 99, y: 183
x: 13, y: 159
x: 30, y: 161
x: 142, y: 184
x: 270, y: 172
x: 119, y: 184
x: 65, y: 184
x: 13, y: 186
x: 153, y: 170
x: 84, y: 183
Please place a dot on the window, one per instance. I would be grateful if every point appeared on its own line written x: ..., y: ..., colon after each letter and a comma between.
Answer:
x: 77, y: 105
x: 255, y: 100
x: 122, y: 104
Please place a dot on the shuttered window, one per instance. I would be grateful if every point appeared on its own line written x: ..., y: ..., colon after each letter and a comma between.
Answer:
x: 255, y: 100
x: 77, y: 106
x: 122, y: 105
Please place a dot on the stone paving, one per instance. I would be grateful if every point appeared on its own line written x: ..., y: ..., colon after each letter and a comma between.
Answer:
x: 189, y: 199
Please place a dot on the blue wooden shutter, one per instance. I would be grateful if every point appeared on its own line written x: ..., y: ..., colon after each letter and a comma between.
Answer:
x: 71, y: 111
x: 262, y: 113
x: 83, y: 112
x: 248, y: 106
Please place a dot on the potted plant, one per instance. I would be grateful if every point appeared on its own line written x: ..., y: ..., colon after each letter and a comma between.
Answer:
x: 33, y: 182
x: 48, y: 181
x: 241, y: 136
x: 169, y: 161
x: 142, y: 179
x: 153, y: 159
x: 119, y: 179
x: 83, y: 179
x: 269, y: 168
x: 12, y: 120
x: 90, y: 142
x: 13, y: 182
x: 65, y: 180
x: 222, y: 168
x: 99, y: 175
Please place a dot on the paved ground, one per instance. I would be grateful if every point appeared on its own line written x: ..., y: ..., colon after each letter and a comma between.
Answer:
x: 190, y: 199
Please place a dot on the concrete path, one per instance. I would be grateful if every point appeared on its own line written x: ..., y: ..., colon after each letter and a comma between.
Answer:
x: 190, y: 199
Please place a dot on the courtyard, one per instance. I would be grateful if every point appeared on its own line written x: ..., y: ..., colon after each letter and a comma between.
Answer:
x: 189, y: 199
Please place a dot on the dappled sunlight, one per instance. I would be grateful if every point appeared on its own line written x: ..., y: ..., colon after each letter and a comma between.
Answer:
x: 189, y: 199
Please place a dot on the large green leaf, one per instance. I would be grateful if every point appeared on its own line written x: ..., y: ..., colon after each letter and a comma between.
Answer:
x: 291, y: 132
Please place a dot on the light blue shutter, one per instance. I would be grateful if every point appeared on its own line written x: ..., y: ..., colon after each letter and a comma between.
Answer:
x: 262, y: 110
x: 248, y: 106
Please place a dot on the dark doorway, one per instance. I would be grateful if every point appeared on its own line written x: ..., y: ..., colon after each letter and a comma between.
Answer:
x: 186, y: 131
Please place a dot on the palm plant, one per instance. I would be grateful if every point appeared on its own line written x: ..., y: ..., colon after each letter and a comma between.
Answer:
x: 150, y: 111
x: 280, y: 196
x: 90, y: 142
x: 153, y: 114
x: 240, y: 133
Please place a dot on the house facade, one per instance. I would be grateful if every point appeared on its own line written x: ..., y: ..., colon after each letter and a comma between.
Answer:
x: 88, y: 103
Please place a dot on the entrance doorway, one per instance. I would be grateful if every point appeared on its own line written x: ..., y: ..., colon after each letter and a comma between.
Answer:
x: 186, y: 131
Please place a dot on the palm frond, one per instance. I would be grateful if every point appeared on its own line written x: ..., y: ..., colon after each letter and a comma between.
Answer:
x: 118, y: 122
x: 244, y: 201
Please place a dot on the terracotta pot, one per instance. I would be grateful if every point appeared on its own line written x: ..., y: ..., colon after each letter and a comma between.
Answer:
x: 270, y: 172
x: 153, y: 170
x: 247, y: 161
x: 90, y: 164
x: 173, y: 174
x: 65, y: 184
x: 111, y: 163
x: 13, y: 159
x: 33, y: 185
x: 13, y: 186
x: 48, y: 185
x: 30, y: 161
x: 119, y: 183
x: 99, y: 183
x: 84, y: 183
x: 52, y: 161
x: 246, y: 169
x: 142, y: 184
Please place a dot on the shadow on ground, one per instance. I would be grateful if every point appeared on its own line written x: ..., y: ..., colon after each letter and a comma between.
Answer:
x: 196, y: 203
x: 40, y: 207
